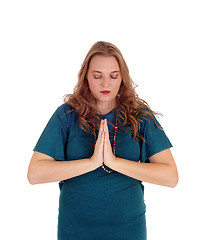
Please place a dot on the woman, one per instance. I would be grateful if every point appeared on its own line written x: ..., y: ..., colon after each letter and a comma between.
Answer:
x: 101, y: 144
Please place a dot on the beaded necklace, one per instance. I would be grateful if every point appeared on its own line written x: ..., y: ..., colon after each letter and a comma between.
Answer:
x: 113, y: 145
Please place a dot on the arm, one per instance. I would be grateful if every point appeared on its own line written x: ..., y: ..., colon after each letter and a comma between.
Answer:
x: 161, y: 171
x: 44, y: 169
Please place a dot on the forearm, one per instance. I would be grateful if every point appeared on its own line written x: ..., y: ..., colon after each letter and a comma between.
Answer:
x: 44, y: 171
x: 156, y: 173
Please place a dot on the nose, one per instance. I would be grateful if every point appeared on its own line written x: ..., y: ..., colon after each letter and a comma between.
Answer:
x: 105, y: 82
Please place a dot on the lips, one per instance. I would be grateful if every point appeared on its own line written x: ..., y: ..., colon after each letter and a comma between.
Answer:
x: 105, y: 92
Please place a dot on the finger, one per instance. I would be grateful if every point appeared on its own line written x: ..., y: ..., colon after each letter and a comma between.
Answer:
x: 107, y: 140
x: 106, y: 128
x: 101, y: 130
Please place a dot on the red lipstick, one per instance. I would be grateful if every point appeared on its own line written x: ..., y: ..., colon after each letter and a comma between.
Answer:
x: 105, y: 92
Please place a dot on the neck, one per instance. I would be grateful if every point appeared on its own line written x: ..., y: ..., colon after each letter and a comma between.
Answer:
x: 105, y: 108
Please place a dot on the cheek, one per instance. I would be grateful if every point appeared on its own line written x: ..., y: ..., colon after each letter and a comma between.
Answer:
x: 117, y: 85
x: 92, y: 85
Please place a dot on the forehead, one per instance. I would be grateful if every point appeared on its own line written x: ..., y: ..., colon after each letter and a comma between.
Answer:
x: 104, y: 64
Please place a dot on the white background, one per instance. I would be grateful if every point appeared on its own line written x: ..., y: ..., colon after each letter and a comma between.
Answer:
x: 42, y: 46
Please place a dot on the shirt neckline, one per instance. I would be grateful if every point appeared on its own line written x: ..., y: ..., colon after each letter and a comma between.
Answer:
x: 107, y: 114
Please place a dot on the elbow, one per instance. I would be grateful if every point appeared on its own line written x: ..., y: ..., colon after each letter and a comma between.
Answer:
x: 172, y: 177
x: 173, y: 181
x: 32, y: 179
x: 173, y: 184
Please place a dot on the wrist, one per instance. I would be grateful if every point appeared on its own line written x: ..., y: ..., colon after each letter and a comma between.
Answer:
x: 94, y: 164
x: 112, y: 164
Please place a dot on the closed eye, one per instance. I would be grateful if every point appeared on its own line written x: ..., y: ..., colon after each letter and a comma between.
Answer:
x: 97, y: 76
x: 114, y: 76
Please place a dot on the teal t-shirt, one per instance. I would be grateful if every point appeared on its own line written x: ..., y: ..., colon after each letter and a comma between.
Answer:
x: 98, y: 205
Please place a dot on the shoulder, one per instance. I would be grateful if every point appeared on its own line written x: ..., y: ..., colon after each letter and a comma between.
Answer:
x: 148, y: 119
x: 66, y: 115
x: 64, y: 110
x: 145, y: 115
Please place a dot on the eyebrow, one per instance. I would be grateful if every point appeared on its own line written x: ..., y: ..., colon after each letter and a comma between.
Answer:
x: 116, y: 71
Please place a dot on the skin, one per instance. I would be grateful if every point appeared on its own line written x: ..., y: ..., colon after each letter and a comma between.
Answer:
x: 104, y: 74
x: 161, y: 170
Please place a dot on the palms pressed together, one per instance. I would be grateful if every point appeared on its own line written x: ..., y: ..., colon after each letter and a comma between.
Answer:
x: 103, y: 150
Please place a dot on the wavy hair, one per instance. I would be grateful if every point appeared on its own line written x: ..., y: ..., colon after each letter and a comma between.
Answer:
x: 130, y: 108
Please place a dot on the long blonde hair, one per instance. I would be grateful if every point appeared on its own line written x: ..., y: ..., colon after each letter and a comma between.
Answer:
x: 131, y: 109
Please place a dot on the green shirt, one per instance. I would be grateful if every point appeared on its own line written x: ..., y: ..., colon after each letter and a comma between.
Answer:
x: 98, y: 205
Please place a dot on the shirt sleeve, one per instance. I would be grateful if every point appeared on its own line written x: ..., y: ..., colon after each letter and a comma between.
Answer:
x: 53, y: 138
x: 155, y: 139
